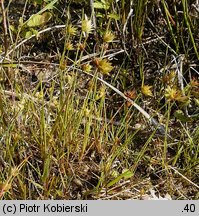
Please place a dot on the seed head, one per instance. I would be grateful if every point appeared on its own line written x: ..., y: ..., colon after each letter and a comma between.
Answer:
x: 146, y: 90
x: 104, y: 66
x: 69, y: 46
x: 86, y: 26
x: 108, y: 37
x: 71, y: 30
x: 172, y: 94
x: 87, y: 67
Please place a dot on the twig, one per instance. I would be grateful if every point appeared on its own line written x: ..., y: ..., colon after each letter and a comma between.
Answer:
x: 175, y: 170
x: 167, y: 45
x: 111, y: 55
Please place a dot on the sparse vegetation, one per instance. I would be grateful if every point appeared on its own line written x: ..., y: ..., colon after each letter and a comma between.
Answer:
x: 99, y: 99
